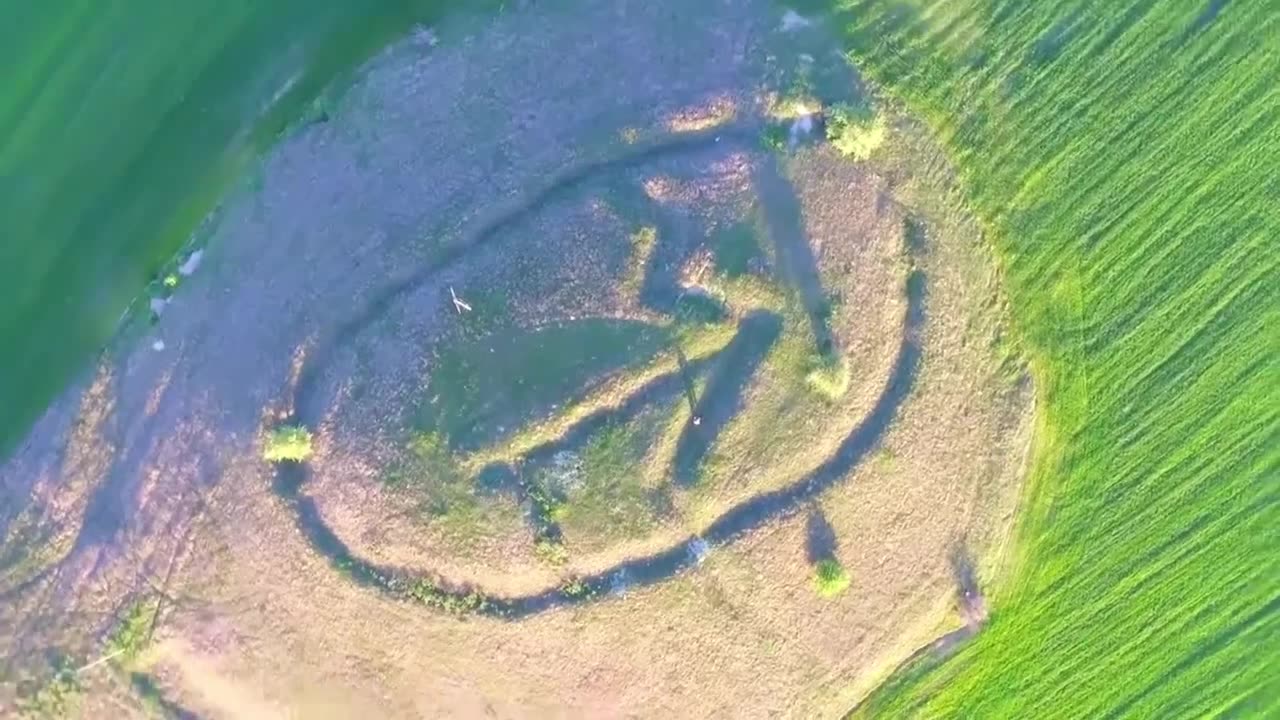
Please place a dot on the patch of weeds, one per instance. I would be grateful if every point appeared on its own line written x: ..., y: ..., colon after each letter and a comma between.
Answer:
x: 696, y: 342
x: 57, y: 697
x: 774, y: 137
x: 751, y: 291
x: 445, y: 494
x: 797, y: 101
x: 886, y: 460
x: 613, y: 500
x: 698, y: 308
x: 737, y: 249
x: 485, y: 388
x: 830, y: 378
x: 830, y: 578
x: 856, y: 131
x: 575, y: 589
x: 433, y: 596
x: 551, y: 551
x: 548, y: 505
x: 287, y: 443
x: 133, y: 634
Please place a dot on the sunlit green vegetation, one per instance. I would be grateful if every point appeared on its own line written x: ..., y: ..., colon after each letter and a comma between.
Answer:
x: 479, y: 389
x: 121, y: 124
x: 287, y: 443
x: 1124, y: 157
x: 856, y: 131
x: 830, y: 578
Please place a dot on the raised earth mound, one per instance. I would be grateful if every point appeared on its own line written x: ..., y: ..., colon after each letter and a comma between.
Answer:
x: 649, y: 364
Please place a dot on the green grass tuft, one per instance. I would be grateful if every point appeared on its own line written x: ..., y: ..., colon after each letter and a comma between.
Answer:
x: 428, y: 593
x: 574, y: 588
x: 551, y: 552
x: 445, y: 494
x: 613, y: 501
x: 856, y: 131
x: 287, y: 443
x: 133, y: 634
x: 830, y: 578
x: 830, y: 379
x: 774, y: 137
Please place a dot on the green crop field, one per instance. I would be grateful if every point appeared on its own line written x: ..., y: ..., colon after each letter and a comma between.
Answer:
x: 1125, y: 158
x: 120, y: 126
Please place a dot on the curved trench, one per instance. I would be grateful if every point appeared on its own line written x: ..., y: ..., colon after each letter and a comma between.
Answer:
x: 748, y: 515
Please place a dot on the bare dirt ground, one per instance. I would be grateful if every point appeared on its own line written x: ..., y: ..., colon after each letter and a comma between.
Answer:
x: 513, y: 162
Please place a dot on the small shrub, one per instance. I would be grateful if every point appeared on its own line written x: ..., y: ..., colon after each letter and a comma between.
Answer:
x: 856, y: 131
x: 774, y: 137
x: 886, y: 460
x: 133, y: 633
x: 575, y: 589
x: 830, y: 578
x: 797, y: 102
x: 696, y: 309
x: 551, y: 552
x: 288, y: 443
x: 548, y: 506
x: 830, y: 378
x: 427, y: 593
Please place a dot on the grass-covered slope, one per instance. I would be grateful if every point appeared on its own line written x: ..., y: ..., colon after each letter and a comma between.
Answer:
x: 120, y: 125
x: 1127, y: 158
